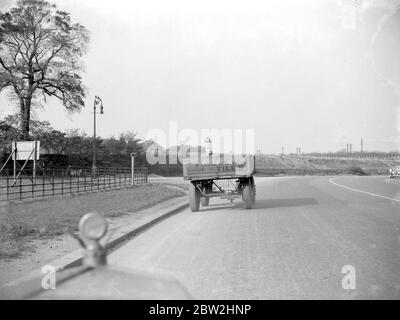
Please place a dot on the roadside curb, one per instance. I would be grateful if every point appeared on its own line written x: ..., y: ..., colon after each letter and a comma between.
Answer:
x: 120, y: 235
x: 124, y: 235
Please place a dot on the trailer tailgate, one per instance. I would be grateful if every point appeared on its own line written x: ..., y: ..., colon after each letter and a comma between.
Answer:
x: 203, y: 170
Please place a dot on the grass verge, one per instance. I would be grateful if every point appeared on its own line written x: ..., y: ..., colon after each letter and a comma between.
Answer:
x: 25, y: 221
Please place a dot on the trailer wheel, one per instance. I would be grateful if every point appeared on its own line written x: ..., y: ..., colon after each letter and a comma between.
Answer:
x: 248, y: 197
x: 204, y: 201
x: 194, y: 198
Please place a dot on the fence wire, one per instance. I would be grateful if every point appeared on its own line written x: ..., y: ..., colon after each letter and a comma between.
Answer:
x: 61, y: 181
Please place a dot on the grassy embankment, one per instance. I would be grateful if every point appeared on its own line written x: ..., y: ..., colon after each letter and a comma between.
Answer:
x: 272, y: 165
x: 25, y: 221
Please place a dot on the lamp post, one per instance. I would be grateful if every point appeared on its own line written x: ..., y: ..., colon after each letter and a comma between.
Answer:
x: 97, y: 100
x: 208, y: 147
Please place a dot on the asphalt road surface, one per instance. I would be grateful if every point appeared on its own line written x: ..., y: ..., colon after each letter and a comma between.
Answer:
x: 294, y: 244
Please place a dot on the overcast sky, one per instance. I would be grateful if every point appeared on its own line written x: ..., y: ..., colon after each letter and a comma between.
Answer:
x: 315, y: 74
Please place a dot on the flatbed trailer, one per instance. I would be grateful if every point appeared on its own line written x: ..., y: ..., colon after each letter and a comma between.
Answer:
x: 202, y: 177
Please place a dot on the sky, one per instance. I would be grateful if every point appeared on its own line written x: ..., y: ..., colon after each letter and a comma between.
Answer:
x: 310, y: 74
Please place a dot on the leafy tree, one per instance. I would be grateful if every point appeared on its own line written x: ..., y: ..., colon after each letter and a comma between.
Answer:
x: 38, y: 128
x: 8, y: 133
x: 132, y: 143
x: 53, y: 141
x: 75, y: 141
x: 40, y: 56
x: 118, y: 150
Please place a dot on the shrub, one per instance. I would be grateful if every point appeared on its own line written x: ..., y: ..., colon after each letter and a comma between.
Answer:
x: 357, y: 171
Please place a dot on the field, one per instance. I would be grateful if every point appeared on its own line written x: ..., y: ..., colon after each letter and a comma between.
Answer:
x: 273, y: 165
x: 22, y: 222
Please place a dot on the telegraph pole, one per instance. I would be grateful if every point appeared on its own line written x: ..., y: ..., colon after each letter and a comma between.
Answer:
x: 362, y: 143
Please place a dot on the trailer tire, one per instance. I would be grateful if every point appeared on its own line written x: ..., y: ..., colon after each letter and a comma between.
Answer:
x: 204, y: 201
x: 248, y: 197
x: 194, y: 198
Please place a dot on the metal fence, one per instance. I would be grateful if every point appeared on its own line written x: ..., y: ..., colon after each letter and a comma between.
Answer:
x: 264, y: 171
x: 61, y: 181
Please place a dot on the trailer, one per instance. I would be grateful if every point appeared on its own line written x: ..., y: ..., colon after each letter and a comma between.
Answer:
x: 204, y: 174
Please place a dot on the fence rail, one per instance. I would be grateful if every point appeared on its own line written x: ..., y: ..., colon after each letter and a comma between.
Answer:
x: 263, y: 171
x: 351, y: 156
x: 61, y: 181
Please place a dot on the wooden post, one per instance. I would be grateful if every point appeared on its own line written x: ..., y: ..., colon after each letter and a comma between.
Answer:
x: 133, y: 168
x: 8, y: 190
x: 15, y: 158
x: 34, y: 161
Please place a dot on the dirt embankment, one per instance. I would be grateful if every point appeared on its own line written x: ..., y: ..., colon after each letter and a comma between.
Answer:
x: 273, y: 165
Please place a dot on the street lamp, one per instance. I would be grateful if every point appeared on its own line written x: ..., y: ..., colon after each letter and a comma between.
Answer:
x: 97, y: 100
x: 209, y: 150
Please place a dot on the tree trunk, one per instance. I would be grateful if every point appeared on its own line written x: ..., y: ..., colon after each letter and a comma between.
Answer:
x: 25, y: 104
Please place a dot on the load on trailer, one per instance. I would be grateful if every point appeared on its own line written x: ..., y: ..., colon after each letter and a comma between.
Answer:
x: 203, y: 174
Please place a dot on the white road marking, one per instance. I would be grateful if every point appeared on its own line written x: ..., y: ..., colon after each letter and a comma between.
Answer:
x: 361, y: 191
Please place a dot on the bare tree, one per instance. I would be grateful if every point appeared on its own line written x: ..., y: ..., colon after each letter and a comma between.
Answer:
x: 40, y: 55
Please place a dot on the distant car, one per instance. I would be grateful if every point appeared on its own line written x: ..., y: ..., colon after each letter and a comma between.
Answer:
x: 395, y: 172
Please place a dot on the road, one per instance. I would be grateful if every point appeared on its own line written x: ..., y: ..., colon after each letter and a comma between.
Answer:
x: 292, y: 245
